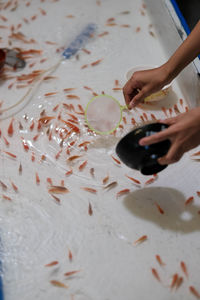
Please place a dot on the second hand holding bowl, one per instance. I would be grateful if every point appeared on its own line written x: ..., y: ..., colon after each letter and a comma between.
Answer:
x: 143, y: 158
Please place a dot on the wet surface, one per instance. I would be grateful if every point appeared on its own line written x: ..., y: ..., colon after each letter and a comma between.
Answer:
x: 49, y: 145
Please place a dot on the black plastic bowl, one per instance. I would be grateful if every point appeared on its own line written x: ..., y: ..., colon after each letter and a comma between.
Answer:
x: 143, y: 158
x: 2, y: 59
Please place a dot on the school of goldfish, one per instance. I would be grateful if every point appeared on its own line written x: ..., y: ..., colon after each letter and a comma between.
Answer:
x: 61, y: 125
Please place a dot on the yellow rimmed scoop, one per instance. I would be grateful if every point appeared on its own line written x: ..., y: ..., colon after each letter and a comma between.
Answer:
x: 103, y: 114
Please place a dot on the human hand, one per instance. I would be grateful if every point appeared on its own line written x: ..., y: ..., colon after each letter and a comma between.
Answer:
x: 183, y: 132
x: 144, y: 83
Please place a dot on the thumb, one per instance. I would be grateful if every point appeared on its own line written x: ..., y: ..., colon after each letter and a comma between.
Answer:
x: 137, y: 99
x: 173, y: 155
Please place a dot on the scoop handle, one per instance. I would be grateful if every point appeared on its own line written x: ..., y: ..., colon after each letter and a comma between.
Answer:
x: 123, y: 107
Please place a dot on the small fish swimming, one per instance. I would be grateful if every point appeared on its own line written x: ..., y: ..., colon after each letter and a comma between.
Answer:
x: 57, y: 189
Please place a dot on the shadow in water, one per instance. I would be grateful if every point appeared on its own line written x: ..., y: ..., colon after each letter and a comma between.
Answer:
x: 176, y: 217
x: 104, y: 141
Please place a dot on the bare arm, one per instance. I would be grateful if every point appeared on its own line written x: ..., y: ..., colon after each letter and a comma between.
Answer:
x: 150, y: 81
x: 186, y: 53
x: 184, y: 130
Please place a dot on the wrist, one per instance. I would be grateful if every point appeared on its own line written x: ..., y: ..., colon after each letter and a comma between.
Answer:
x: 168, y: 73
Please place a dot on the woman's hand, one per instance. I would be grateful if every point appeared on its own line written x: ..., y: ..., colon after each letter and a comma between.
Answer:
x: 183, y: 132
x: 144, y: 83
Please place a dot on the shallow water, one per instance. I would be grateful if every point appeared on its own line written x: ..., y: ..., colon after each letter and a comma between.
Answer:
x: 35, y: 228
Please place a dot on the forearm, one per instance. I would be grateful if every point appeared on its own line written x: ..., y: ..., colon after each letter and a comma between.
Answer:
x: 186, y: 53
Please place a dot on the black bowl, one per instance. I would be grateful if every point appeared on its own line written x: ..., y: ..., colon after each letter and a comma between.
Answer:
x: 2, y: 59
x: 143, y: 158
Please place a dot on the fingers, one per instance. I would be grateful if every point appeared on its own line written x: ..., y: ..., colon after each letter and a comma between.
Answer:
x: 174, y: 154
x: 130, y: 97
x: 130, y: 90
x: 142, y: 84
x: 133, y: 90
x: 169, y: 121
x: 156, y: 138
x: 137, y: 99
